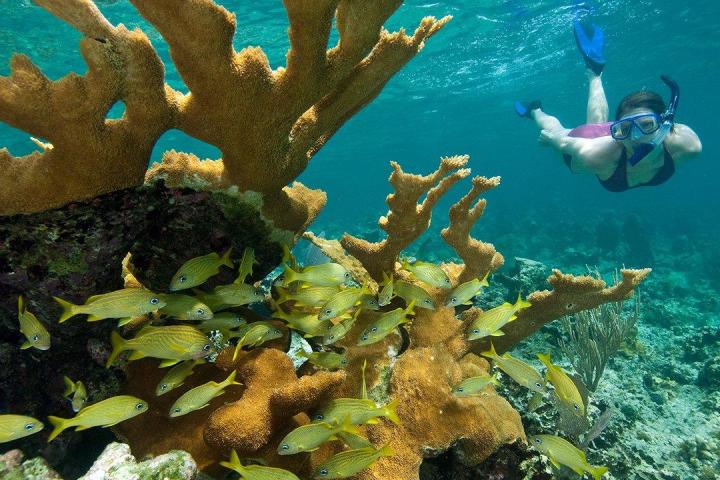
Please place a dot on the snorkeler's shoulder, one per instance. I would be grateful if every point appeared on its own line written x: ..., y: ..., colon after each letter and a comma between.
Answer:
x: 683, y: 143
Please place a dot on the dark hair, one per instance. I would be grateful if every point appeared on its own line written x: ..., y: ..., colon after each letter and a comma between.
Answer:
x: 641, y: 99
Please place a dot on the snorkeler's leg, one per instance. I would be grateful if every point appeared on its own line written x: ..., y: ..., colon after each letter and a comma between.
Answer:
x: 597, y: 106
x: 545, y: 121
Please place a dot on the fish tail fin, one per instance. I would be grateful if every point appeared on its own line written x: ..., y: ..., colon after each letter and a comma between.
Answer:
x: 226, y: 260
x: 391, y: 412
x: 69, y: 386
x: 21, y: 304
x: 386, y: 451
x: 520, y: 303
x: 118, y: 345
x: 410, y: 309
x: 68, y: 309
x: 234, y: 463
x: 348, y: 427
x: 495, y: 379
x: 545, y: 359
x: 386, y: 279
x: 484, y: 280
x: 290, y: 275
x: 283, y: 295
x: 490, y: 353
x: 230, y: 380
x: 59, y: 425
x: 597, y: 472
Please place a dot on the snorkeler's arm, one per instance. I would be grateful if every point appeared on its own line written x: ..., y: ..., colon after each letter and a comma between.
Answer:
x: 592, y: 155
x: 683, y: 143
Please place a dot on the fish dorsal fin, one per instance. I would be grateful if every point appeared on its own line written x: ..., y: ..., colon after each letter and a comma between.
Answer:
x: 136, y: 355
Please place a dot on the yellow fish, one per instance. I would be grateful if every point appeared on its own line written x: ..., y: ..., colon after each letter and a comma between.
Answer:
x: 338, y: 331
x: 78, y: 392
x: 256, y: 334
x: 257, y: 472
x: 106, y: 413
x: 474, y: 385
x: 386, y: 323
x: 386, y: 293
x: 199, y: 397
x: 185, y: 307
x: 348, y: 463
x: 246, y: 265
x: 561, y: 452
x: 521, y: 372
x: 307, y: 438
x: 360, y: 410
x: 223, y: 321
x: 308, y: 296
x: 323, y: 275
x: 35, y: 333
x: 565, y: 388
x: 176, y: 376
x: 128, y: 302
x: 490, y: 322
x: 232, y: 295
x: 368, y: 302
x: 463, y: 293
x: 13, y: 427
x: 328, y: 360
x: 341, y: 302
x: 410, y: 291
x: 197, y: 270
x: 307, y: 323
x: 172, y: 344
x: 428, y: 273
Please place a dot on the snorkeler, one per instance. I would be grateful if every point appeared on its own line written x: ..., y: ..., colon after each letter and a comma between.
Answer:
x: 642, y: 147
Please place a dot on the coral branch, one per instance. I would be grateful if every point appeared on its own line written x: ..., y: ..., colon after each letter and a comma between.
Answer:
x: 479, y: 257
x: 570, y: 295
x: 406, y: 219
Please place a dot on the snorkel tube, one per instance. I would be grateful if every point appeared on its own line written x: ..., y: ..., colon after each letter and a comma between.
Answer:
x: 643, y: 150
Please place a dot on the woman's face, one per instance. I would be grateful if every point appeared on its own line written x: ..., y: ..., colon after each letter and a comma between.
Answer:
x: 636, y: 135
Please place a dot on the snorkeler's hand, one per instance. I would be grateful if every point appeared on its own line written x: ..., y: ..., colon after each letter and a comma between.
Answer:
x: 548, y: 137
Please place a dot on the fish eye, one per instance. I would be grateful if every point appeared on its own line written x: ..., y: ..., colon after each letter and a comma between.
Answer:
x: 328, y: 312
x: 285, y: 446
x: 277, y: 331
x: 163, y: 386
x: 139, y: 406
x: 373, y: 329
x: 331, y: 337
x: 453, y: 300
x: 319, y: 416
x: 323, y: 471
x: 200, y: 311
x: 347, y: 275
x: 538, y: 384
x: 35, y: 337
x: 476, y: 331
x: 29, y: 426
x: 206, y: 347
x: 177, y: 410
x: 460, y: 389
x: 577, y: 408
x: 182, y: 278
x: 538, y: 441
x: 365, y: 337
x: 154, y: 300
x: 344, y: 362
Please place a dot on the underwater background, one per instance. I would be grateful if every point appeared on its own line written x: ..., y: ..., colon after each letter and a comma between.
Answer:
x: 456, y: 97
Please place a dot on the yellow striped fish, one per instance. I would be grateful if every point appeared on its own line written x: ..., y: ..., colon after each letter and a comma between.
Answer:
x: 410, y: 291
x: 386, y: 293
x: 521, y: 372
x: 348, y: 463
x: 307, y: 438
x: 474, y: 385
x: 176, y: 376
x: 307, y: 296
x: 78, y: 392
x: 565, y: 388
x: 328, y: 360
x: 490, y: 322
x: 385, y: 324
x: 338, y: 331
x: 128, y: 302
x: 428, y: 273
x: 360, y: 410
x: 199, y: 397
x: 13, y: 427
x: 185, y: 307
x: 232, y: 295
x: 256, y: 334
x: 106, y: 413
x: 257, y: 472
x: 197, y: 270
x: 246, y: 265
x: 561, y: 452
x: 35, y: 333
x: 464, y: 293
x: 323, y: 275
x: 341, y: 302
x: 171, y: 344
x: 223, y: 321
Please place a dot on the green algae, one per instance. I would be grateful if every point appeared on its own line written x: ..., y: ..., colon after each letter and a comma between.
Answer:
x: 66, y: 264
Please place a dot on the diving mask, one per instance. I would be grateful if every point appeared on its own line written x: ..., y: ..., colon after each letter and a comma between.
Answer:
x: 644, y: 124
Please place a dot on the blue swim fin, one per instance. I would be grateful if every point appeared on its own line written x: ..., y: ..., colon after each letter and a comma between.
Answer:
x: 524, y: 109
x: 592, y: 46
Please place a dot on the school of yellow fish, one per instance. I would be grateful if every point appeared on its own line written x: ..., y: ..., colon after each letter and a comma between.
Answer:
x: 315, y: 301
